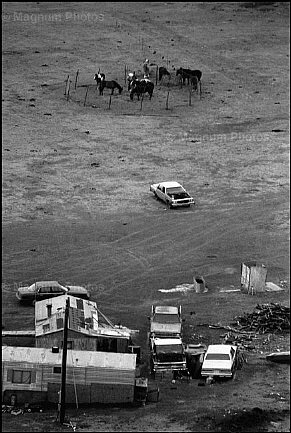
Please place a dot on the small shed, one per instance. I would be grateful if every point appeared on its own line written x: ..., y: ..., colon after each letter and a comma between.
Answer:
x: 33, y: 375
x: 253, y: 277
x: 88, y: 328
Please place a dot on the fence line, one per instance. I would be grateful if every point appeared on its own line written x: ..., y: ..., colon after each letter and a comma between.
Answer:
x: 66, y: 87
x: 76, y: 80
x: 87, y: 90
x: 90, y: 101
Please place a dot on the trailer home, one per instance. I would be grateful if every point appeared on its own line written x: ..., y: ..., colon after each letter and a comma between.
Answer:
x: 33, y: 375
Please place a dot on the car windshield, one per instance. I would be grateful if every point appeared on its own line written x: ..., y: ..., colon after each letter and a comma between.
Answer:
x: 217, y: 357
x: 166, y: 318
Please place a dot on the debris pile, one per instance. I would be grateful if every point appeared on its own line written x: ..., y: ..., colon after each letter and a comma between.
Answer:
x: 271, y: 318
x: 244, y: 342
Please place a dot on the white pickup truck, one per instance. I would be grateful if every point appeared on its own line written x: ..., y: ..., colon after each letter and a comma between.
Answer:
x: 165, y: 321
x: 172, y: 193
x: 167, y: 354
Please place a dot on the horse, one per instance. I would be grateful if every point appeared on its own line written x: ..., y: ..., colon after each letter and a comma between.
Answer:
x: 163, y: 71
x: 109, y: 85
x: 99, y: 77
x: 142, y: 87
x: 186, y: 74
x: 194, y: 82
x: 130, y: 78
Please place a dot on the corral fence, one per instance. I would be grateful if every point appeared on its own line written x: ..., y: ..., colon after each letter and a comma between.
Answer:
x: 170, y: 93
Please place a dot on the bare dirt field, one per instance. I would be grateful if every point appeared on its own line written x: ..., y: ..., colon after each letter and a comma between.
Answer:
x: 76, y: 204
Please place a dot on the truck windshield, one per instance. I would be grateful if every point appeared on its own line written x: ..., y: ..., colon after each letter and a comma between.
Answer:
x: 166, y: 318
x: 169, y: 348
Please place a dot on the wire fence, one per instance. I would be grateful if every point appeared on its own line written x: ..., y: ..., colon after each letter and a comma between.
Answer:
x: 169, y: 93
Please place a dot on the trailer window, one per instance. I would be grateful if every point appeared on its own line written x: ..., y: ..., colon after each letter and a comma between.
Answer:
x: 46, y: 327
x: 21, y: 376
x: 58, y: 370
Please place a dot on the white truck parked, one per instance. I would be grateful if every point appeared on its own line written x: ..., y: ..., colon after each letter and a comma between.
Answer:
x: 166, y: 346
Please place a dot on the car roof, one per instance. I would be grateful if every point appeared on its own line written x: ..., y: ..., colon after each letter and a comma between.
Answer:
x: 47, y: 283
x: 219, y: 348
x: 166, y: 309
x: 170, y: 184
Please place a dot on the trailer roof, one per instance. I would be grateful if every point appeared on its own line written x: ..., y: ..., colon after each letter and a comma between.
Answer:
x: 76, y: 358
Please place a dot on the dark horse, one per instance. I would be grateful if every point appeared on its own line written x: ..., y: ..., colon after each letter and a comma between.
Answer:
x: 187, y: 74
x: 194, y: 82
x: 109, y: 85
x: 141, y: 87
x: 163, y: 71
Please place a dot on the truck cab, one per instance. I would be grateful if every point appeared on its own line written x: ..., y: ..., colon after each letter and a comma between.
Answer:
x: 167, y: 354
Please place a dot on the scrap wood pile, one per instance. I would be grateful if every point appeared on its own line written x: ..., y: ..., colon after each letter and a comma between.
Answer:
x: 266, y: 318
x: 243, y: 342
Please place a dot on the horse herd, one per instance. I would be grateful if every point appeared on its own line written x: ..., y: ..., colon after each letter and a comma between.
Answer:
x: 142, y: 86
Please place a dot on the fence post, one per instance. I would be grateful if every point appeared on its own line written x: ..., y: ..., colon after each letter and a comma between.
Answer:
x: 76, y: 80
x: 190, y: 94
x: 86, y: 95
x: 167, y: 100
x: 67, y: 81
x: 199, y: 89
x: 141, y: 101
x: 157, y: 71
x: 68, y: 93
x: 109, y: 102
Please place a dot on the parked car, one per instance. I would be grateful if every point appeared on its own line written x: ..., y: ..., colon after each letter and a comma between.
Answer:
x: 165, y: 321
x: 49, y: 289
x: 172, y: 193
x: 220, y: 360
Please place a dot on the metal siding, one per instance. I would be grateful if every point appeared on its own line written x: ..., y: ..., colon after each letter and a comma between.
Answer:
x: 258, y: 278
x: 107, y: 375
x: 112, y: 393
x: 90, y: 359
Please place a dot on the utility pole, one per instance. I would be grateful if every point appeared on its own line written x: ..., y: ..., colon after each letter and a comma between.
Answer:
x: 64, y: 364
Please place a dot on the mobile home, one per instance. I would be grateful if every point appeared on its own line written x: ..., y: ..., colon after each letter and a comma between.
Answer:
x: 33, y: 375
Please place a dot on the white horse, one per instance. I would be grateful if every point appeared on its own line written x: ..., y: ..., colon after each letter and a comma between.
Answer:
x: 130, y: 78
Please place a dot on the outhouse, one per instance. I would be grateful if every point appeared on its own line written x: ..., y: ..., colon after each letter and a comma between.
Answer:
x: 253, y: 277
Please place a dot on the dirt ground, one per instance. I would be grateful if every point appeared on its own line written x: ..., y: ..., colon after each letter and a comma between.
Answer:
x: 76, y: 204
